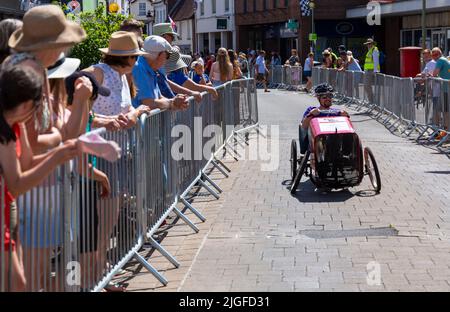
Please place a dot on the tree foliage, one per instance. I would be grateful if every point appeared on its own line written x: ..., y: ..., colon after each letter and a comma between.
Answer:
x: 99, y: 27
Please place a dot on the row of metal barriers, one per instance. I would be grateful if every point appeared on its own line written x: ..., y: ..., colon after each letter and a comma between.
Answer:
x: 282, y: 77
x: 70, y: 238
x: 414, y: 107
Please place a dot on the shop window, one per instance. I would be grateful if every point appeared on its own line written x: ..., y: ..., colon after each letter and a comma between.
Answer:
x: 407, y: 39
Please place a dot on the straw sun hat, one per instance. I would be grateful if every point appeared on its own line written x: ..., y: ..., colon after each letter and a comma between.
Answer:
x: 123, y: 43
x: 45, y: 27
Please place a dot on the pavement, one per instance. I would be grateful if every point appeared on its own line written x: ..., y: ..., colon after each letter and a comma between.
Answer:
x: 260, y: 238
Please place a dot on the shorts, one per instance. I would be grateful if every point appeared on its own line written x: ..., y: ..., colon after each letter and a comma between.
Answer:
x: 307, y: 73
x: 261, y: 77
x: 89, y: 220
x: 41, y: 217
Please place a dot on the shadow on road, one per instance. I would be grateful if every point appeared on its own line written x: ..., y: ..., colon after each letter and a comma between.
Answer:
x: 308, y: 193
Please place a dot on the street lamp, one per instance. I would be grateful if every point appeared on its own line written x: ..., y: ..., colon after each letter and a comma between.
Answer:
x: 424, y: 31
x: 312, y: 6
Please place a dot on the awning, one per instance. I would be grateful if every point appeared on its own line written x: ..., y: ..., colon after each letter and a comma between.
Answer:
x: 399, y: 8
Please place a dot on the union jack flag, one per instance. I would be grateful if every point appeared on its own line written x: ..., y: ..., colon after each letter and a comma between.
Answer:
x: 304, y: 7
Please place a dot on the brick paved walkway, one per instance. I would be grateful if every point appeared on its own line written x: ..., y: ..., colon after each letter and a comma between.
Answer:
x: 260, y: 238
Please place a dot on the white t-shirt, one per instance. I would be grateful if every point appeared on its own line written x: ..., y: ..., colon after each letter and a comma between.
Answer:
x: 429, y: 68
x: 261, y: 65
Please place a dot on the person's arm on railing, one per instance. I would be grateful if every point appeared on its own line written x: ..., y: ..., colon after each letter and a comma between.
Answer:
x: 189, y: 84
x: 180, y: 102
x: 182, y: 90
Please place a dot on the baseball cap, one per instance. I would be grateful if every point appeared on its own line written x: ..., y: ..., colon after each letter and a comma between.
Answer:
x: 157, y: 44
x: 98, y: 89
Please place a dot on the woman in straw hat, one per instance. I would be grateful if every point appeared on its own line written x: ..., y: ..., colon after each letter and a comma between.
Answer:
x: 118, y: 61
x: 45, y: 34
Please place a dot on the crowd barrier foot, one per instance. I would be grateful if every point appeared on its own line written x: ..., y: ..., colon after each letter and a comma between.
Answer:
x: 236, y: 155
x: 416, y: 128
x: 215, y: 165
x: 218, y: 161
x: 163, y: 252
x: 186, y: 219
x: 443, y: 141
x: 208, y: 188
x: 151, y: 269
x: 205, y: 176
x: 421, y: 134
x: 192, y: 209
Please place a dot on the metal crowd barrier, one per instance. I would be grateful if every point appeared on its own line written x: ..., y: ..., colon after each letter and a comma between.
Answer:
x: 285, y: 77
x: 410, y: 106
x: 71, y: 238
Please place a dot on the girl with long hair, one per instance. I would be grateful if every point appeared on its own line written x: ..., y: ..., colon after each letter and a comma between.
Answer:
x: 222, y: 69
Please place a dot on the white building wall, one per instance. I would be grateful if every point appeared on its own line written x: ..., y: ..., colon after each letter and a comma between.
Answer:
x: 185, y: 31
x: 206, y: 24
x: 139, y: 10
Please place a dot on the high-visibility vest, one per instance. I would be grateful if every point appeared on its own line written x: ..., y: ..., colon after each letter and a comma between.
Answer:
x: 368, y: 64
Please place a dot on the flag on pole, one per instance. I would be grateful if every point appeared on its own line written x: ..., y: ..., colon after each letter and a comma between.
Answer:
x: 173, y: 24
x: 304, y: 7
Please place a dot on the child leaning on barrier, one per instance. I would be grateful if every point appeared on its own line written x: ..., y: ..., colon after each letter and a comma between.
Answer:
x: 20, y: 98
x: 199, y: 75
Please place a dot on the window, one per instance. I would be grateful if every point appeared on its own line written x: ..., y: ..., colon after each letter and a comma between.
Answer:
x: 227, y: 5
x: 142, y: 9
x: 286, y: 3
x: 202, y: 8
x: 254, y: 5
x: 245, y: 6
x: 213, y: 6
x: 276, y: 4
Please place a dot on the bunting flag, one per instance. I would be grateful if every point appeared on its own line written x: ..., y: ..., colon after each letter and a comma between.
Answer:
x: 304, y: 7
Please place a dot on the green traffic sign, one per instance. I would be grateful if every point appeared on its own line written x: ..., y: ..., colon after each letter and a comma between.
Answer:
x: 312, y: 37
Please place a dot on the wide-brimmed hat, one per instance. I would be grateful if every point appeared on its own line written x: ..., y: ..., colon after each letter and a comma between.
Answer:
x: 369, y: 41
x: 123, y: 43
x: 175, y: 62
x: 163, y: 29
x: 64, y: 67
x: 45, y: 27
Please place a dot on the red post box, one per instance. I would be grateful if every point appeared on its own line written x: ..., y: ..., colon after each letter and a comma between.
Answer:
x: 410, y: 61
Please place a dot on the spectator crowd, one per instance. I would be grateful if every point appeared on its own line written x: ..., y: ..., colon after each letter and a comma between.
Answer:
x: 47, y: 103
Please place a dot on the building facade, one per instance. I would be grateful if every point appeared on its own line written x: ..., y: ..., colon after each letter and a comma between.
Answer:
x: 143, y: 11
x: 215, y: 25
x: 182, y: 13
x: 401, y: 26
x: 263, y: 24
x: 279, y: 26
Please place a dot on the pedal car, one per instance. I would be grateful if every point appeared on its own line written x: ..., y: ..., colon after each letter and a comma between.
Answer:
x: 335, y: 158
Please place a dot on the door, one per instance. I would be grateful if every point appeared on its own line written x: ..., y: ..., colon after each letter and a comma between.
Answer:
x: 438, y: 39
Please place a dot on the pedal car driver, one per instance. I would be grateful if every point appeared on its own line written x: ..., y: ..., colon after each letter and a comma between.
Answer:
x: 324, y: 93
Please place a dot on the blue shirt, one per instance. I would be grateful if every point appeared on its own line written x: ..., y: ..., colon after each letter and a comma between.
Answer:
x: 178, y: 76
x: 197, y: 78
x: 444, y: 68
x: 146, y: 81
x: 164, y: 86
x: 334, y: 112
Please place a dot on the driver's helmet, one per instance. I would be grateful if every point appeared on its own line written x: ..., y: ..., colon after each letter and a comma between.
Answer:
x: 323, y: 89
